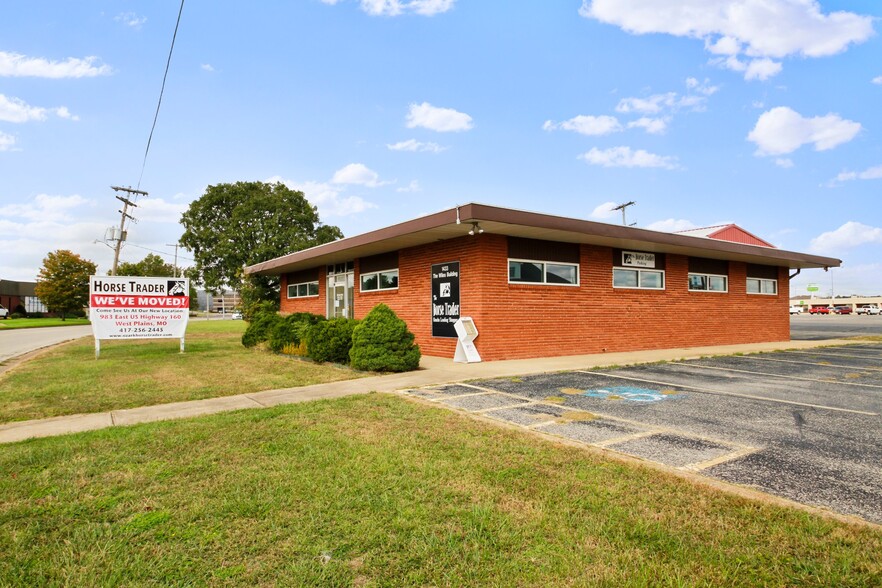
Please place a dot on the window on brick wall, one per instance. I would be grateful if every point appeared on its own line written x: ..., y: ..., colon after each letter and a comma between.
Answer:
x: 525, y: 271
x: 708, y: 283
x: 382, y: 280
x: 762, y: 286
x: 303, y: 290
x: 638, y: 278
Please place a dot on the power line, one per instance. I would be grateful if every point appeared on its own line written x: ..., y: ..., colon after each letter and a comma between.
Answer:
x: 161, y: 91
x: 158, y: 251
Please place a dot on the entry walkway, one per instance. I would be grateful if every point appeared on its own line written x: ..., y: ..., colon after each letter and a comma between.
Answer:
x: 433, y: 370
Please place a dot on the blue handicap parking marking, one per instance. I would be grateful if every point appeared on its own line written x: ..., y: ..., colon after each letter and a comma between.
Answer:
x: 629, y: 393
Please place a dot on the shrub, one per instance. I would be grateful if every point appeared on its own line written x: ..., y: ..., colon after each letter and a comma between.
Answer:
x: 259, y: 328
x: 291, y: 329
x: 251, y: 310
x: 382, y: 343
x: 20, y: 309
x: 331, y: 340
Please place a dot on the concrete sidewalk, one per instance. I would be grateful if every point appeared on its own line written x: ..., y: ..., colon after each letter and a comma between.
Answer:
x: 433, y: 370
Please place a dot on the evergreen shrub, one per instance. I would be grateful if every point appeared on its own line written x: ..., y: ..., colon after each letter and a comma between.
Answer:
x: 291, y: 329
x: 382, y: 343
x: 260, y: 327
x: 331, y: 340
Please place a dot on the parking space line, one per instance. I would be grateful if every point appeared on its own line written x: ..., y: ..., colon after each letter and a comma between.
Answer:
x: 624, y: 438
x: 725, y: 369
x: 734, y: 394
x: 520, y: 404
x: 833, y: 354
x: 703, y: 465
x: 813, y: 363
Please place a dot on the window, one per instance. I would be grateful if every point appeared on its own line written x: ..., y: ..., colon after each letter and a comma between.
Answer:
x: 762, y: 286
x: 634, y: 278
x: 384, y: 280
x: 708, y: 283
x: 303, y: 290
x: 542, y: 272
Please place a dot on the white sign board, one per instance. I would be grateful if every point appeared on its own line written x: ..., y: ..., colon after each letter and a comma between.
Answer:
x: 466, y: 352
x: 124, y: 307
x: 638, y: 259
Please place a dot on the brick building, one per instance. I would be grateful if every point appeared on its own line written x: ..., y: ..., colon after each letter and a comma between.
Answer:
x: 539, y: 285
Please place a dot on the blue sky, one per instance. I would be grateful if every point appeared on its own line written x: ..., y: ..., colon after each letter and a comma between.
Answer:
x: 766, y: 114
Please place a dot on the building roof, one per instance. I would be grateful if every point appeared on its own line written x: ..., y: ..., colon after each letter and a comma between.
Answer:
x: 456, y: 222
x: 730, y: 232
x: 12, y: 288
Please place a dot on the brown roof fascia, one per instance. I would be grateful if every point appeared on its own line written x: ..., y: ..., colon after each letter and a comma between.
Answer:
x: 668, y: 242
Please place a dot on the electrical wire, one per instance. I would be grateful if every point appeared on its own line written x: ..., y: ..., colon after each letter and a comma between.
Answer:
x: 161, y: 91
x: 166, y: 253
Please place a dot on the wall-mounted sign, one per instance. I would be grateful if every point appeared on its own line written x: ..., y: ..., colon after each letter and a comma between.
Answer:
x: 638, y: 259
x: 124, y: 307
x: 445, y: 298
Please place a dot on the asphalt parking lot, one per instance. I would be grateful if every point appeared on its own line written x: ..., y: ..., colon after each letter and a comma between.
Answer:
x: 804, y: 425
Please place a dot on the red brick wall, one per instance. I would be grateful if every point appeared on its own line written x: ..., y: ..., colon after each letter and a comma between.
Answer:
x: 313, y: 304
x: 520, y: 321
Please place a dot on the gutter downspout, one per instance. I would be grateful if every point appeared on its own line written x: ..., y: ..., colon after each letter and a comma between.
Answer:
x: 799, y: 269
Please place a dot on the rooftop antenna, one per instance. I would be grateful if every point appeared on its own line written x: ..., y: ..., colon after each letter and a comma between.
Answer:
x: 622, y: 207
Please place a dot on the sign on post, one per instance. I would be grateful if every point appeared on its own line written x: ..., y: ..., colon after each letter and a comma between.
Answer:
x: 125, y: 307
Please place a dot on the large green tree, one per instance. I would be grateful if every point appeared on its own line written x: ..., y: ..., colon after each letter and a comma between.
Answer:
x: 235, y: 225
x: 63, y: 282
x: 152, y: 265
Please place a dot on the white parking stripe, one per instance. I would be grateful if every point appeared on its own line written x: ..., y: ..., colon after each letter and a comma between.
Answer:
x: 725, y: 369
x: 733, y: 394
x: 812, y: 363
x: 835, y: 354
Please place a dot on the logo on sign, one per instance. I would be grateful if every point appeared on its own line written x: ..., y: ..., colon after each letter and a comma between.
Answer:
x: 638, y: 259
x: 176, y: 288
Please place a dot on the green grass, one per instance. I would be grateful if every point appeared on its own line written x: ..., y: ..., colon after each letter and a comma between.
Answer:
x: 69, y: 380
x: 377, y: 490
x: 33, y: 323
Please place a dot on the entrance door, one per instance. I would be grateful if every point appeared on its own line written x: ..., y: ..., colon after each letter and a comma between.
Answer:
x: 341, y: 295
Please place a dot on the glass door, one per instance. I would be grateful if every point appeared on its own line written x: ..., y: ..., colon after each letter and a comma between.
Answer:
x: 341, y: 294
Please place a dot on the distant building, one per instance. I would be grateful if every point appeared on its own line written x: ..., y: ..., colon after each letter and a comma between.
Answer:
x: 13, y: 294
x: 731, y: 232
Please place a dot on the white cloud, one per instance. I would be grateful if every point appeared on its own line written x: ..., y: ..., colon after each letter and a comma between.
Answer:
x: 17, y: 65
x: 398, y: 7
x: 872, y: 173
x: 850, y: 235
x: 414, y: 145
x: 782, y: 130
x: 604, y: 210
x: 757, y: 30
x: 16, y: 110
x: 652, y: 105
x: 586, y: 125
x: 130, y: 19
x: 877, y: 80
x: 45, y: 207
x: 359, y: 174
x: 7, y: 142
x: 438, y: 119
x: 207, y: 67
x: 625, y: 157
x: 413, y: 186
x: 326, y: 197
x: 784, y: 162
x: 158, y: 210
x: 653, y: 126
x: 671, y: 225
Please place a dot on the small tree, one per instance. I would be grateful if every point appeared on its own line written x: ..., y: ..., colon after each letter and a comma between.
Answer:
x: 63, y: 282
x: 330, y: 340
x: 151, y: 266
x: 382, y: 343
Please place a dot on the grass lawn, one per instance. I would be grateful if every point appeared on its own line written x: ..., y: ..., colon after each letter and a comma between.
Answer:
x: 377, y: 490
x: 68, y: 380
x: 32, y: 323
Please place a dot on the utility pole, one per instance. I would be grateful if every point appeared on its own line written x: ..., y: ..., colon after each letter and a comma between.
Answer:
x: 175, y: 245
x: 622, y: 207
x: 122, y: 221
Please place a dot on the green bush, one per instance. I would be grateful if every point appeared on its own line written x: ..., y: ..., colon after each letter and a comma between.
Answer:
x: 291, y: 329
x: 382, y: 343
x: 331, y: 340
x: 253, y: 309
x: 260, y: 327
